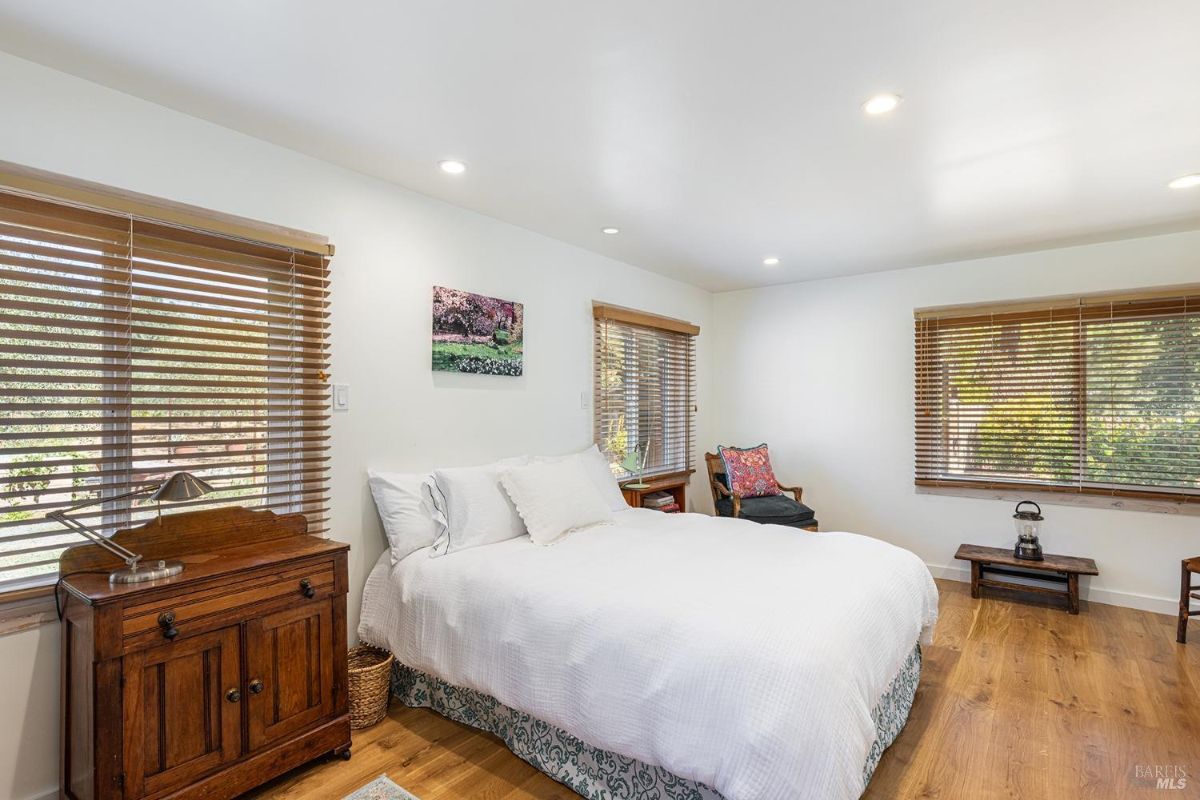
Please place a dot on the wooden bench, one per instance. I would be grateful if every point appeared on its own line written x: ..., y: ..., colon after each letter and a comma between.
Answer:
x: 1053, y: 569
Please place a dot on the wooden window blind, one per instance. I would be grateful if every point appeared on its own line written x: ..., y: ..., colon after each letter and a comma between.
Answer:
x: 645, y: 390
x: 1095, y: 395
x: 133, y: 349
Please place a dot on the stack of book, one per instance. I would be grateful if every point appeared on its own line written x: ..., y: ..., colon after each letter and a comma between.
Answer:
x: 660, y: 501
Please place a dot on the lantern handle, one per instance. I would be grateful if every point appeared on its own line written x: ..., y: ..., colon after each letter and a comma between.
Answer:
x: 1028, y: 502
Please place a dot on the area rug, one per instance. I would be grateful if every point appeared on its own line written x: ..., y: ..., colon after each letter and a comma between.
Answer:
x: 382, y: 788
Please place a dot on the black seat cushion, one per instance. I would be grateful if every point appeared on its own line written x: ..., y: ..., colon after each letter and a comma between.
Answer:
x: 779, y: 509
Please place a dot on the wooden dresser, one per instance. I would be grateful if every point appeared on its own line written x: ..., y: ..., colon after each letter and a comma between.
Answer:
x: 209, y: 683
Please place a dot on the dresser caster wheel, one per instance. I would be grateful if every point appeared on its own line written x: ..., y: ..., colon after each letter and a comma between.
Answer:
x: 344, y: 755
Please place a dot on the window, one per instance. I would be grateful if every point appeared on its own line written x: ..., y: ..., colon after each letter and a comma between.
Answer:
x: 645, y: 391
x: 133, y: 349
x: 1097, y: 395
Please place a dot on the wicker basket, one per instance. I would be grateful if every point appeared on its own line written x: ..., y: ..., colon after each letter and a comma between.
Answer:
x: 370, y: 684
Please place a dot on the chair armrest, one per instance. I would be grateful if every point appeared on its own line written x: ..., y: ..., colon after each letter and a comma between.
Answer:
x: 797, y: 491
x: 723, y: 491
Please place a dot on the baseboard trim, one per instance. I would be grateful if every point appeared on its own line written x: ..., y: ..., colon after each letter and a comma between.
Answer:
x: 1157, y: 605
x: 52, y: 795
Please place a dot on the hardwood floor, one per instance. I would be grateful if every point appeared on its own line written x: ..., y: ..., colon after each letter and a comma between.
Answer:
x: 1017, y: 699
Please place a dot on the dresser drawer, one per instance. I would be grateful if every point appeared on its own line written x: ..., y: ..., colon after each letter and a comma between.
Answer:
x: 303, y: 583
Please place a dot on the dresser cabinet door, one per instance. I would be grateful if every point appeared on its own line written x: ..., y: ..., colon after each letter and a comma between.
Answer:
x: 289, y: 671
x: 182, y: 707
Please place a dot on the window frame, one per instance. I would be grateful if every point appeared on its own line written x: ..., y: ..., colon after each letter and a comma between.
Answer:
x: 1135, y: 496
x: 294, y: 493
x: 673, y: 387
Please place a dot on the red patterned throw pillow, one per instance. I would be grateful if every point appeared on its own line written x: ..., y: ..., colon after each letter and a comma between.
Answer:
x: 749, y: 472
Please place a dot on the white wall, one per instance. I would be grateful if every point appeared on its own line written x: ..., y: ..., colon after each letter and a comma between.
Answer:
x: 823, y: 372
x: 392, y: 246
x: 29, y: 711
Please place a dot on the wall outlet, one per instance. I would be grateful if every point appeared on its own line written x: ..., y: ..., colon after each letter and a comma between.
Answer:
x: 341, y: 397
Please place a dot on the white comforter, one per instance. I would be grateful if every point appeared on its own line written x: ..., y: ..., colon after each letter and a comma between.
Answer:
x: 745, y: 657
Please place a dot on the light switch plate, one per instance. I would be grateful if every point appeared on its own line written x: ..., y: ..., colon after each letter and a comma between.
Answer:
x: 341, y: 397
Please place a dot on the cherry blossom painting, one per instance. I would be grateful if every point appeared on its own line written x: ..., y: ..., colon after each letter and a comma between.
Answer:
x: 476, y: 334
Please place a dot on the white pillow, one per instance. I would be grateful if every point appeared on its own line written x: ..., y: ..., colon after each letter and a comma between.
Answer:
x: 555, y: 498
x: 474, y: 509
x: 404, y: 508
x: 601, y: 475
x: 598, y: 471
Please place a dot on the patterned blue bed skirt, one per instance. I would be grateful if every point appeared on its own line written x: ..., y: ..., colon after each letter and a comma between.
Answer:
x: 598, y: 774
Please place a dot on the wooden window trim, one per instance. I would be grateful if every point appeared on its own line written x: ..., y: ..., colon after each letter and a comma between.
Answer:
x: 673, y: 426
x: 183, y: 243
x: 1086, y: 309
x: 1175, y: 498
x: 14, y: 595
x: 665, y: 476
x: 22, y: 609
x: 964, y: 312
x: 1014, y: 493
x: 62, y: 188
x: 644, y: 319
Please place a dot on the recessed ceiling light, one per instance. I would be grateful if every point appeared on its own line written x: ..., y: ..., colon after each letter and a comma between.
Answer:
x: 1186, y: 181
x: 771, y: 261
x: 453, y: 167
x: 882, y: 103
x: 610, y: 231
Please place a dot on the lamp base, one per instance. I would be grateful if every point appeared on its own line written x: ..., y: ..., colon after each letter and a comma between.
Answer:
x: 1028, y: 551
x: 153, y: 572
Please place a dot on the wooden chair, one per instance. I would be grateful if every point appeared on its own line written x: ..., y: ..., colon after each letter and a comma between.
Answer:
x: 1187, y: 592
x: 776, y: 510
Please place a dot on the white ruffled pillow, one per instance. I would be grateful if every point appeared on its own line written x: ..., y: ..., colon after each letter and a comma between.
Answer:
x: 405, y: 509
x: 555, y: 498
x: 598, y: 471
x: 473, y: 509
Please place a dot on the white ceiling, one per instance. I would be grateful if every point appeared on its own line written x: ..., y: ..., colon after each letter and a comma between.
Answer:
x: 711, y: 133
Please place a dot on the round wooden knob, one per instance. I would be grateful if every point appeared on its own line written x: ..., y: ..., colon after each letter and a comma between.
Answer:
x: 166, y: 621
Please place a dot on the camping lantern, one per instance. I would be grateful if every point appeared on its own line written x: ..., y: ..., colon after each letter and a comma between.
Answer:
x: 1029, y: 525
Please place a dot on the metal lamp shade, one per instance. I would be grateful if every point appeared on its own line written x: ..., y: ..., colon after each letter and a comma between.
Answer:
x: 179, y: 487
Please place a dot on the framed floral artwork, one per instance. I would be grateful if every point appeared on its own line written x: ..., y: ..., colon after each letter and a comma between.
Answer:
x: 477, y: 334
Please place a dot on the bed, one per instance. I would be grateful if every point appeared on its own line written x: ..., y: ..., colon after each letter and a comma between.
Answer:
x: 667, y: 655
